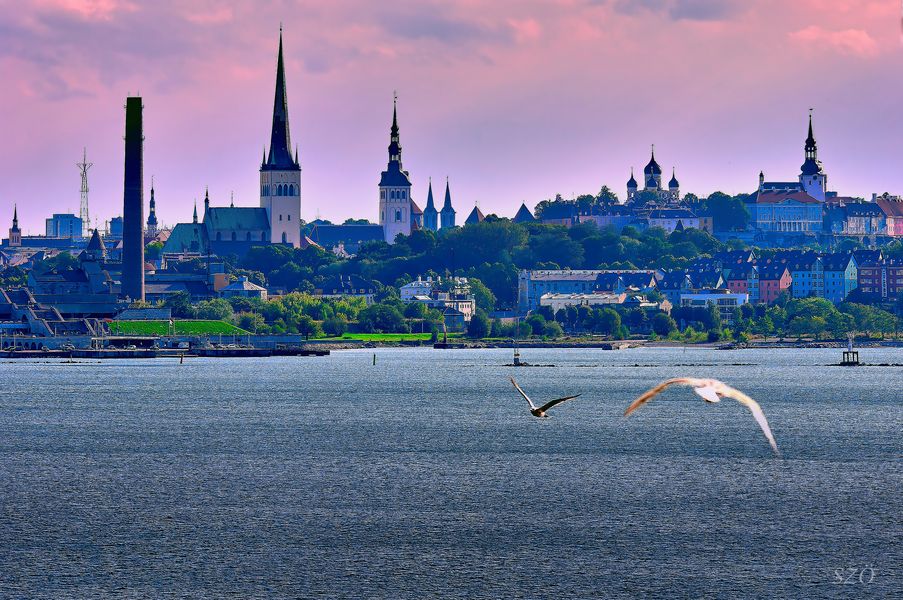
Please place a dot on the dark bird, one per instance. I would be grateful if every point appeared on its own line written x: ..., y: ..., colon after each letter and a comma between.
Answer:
x: 541, y: 410
x: 711, y: 390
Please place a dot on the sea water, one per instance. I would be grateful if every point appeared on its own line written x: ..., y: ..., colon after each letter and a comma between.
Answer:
x: 424, y: 475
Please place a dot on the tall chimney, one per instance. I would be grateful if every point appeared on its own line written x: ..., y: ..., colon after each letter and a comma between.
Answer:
x: 133, y: 203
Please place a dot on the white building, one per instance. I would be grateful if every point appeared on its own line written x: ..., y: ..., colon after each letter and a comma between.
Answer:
x: 724, y: 300
x: 559, y: 301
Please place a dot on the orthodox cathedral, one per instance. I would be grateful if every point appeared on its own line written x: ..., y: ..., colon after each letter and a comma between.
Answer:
x: 652, y: 182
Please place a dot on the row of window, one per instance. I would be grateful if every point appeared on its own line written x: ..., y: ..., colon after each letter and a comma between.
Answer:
x: 279, y: 190
x: 394, y: 194
x: 219, y: 236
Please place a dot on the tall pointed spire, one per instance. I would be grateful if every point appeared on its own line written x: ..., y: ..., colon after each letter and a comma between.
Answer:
x: 194, y: 219
x: 429, y: 196
x: 15, y: 216
x: 280, y: 156
x: 394, y: 140
x: 447, y: 203
x: 811, y: 148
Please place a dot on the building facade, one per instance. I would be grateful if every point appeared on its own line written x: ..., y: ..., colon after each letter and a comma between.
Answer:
x: 395, y: 210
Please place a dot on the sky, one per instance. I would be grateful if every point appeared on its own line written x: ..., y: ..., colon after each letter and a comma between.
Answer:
x: 512, y: 100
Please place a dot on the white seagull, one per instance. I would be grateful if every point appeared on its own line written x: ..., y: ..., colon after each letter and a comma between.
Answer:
x: 540, y: 411
x: 711, y: 390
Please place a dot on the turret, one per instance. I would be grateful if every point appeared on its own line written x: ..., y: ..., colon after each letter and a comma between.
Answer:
x: 631, y: 185
x: 447, y: 215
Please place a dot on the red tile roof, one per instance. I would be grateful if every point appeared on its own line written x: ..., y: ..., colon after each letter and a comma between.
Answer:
x: 774, y: 197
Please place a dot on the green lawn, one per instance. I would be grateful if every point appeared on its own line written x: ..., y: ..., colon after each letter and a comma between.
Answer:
x: 387, y: 337
x: 181, y: 328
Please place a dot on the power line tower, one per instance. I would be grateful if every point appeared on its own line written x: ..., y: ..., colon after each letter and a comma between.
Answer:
x: 83, y: 167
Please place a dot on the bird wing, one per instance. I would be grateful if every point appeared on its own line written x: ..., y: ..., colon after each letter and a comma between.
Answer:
x: 707, y: 393
x: 756, y: 411
x: 552, y: 403
x: 650, y: 394
x: 522, y: 393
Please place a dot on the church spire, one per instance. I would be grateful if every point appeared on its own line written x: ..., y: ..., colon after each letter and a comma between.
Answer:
x: 15, y: 217
x: 811, y: 148
x: 447, y: 204
x: 194, y: 219
x: 394, y: 140
x: 280, y: 156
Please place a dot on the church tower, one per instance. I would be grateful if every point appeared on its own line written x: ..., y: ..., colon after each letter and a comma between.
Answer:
x: 447, y: 215
x: 151, y: 230
x: 15, y: 234
x: 430, y: 214
x: 813, y: 178
x: 280, y: 173
x: 395, y: 189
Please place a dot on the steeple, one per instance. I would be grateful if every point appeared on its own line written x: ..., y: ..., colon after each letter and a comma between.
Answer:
x: 447, y: 216
x: 430, y: 214
x: 15, y: 235
x: 394, y: 141
x: 152, y: 214
x: 194, y: 219
x: 447, y: 203
x: 811, y: 166
x: 280, y: 156
x: 206, y: 199
x: 811, y: 148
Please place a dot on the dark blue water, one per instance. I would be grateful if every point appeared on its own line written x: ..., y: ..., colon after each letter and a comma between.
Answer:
x: 424, y: 476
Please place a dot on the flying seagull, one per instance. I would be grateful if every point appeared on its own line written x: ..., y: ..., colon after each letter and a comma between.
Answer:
x: 540, y: 411
x: 711, y: 390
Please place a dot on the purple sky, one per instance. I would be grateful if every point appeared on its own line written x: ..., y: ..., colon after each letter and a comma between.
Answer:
x: 514, y: 100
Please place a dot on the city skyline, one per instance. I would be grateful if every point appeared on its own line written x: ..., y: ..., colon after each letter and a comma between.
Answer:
x: 200, y: 68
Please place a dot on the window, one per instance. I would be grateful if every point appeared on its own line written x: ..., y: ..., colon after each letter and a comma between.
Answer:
x: 397, y: 216
x: 280, y: 217
x: 249, y: 236
x: 291, y: 190
x: 234, y: 236
x: 284, y: 238
x: 404, y: 194
x: 279, y: 190
x: 289, y: 218
x: 382, y: 194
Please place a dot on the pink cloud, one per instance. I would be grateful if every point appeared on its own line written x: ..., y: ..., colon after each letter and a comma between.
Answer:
x: 854, y: 42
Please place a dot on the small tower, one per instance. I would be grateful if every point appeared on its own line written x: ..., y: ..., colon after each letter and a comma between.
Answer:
x: 447, y: 215
x: 194, y: 218
x: 206, y: 201
x: 280, y: 172
x: 631, y: 186
x: 761, y: 180
x: 653, y: 174
x: 151, y: 230
x: 83, y: 212
x: 15, y: 234
x: 430, y: 214
x: 674, y: 185
x: 395, y: 188
x: 813, y: 179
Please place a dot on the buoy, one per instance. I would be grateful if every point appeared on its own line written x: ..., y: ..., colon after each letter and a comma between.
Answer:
x: 374, y: 359
x: 181, y: 358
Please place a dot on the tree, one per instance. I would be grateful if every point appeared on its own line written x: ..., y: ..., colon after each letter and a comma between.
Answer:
x: 250, y: 321
x: 479, y: 325
x: 663, y: 325
x: 609, y: 321
x: 179, y: 305
x: 415, y: 310
x: 335, y: 326
x: 217, y: 309
x: 729, y: 213
x: 382, y: 318
x: 552, y: 330
x: 153, y: 250
x: 482, y: 295
x: 537, y: 323
x: 308, y: 327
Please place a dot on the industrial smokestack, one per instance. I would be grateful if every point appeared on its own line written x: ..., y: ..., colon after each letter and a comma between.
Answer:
x: 133, y: 203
